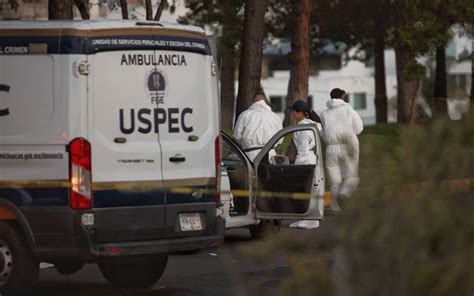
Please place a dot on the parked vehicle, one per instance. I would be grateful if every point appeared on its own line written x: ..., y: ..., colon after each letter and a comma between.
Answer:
x: 259, y: 195
x: 109, y: 148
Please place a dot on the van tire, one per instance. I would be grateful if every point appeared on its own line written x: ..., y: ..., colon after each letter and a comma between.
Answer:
x: 265, y: 228
x: 68, y: 267
x: 19, y: 269
x: 137, y: 273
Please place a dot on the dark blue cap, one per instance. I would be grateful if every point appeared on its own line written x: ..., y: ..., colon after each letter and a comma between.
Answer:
x: 299, y: 106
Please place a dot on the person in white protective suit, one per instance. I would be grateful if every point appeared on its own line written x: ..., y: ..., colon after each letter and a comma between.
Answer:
x: 256, y: 126
x: 341, y: 125
x: 305, y: 144
x: 304, y: 140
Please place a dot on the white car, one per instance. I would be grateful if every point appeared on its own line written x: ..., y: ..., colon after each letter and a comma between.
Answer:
x: 258, y: 195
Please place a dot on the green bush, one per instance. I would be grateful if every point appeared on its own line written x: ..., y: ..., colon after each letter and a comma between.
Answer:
x: 409, y: 229
x: 412, y: 232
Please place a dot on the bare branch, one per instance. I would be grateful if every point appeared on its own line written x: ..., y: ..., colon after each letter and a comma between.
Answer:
x: 13, y: 5
x: 83, y: 9
x: 161, y: 7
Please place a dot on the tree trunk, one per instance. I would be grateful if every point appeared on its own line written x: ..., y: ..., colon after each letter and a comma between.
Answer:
x: 472, y: 71
x: 380, y: 86
x: 124, y: 8
x: 149, y: 10
x: 83, y: 9
x: 161, y: 7
x: 407, y: 88
x: 251, y: 54
x: 227, y: 84
x: 440, y: 84
x: 60, y: 10
x: 231, y: 32
x: 299, y: 56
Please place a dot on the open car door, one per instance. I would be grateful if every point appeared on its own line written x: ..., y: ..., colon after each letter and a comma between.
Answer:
x: 283, y: 189
x: 238, y: 169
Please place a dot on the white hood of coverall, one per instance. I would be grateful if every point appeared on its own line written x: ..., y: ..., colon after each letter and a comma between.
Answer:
x: 341, y: 125
x: 256, y: 126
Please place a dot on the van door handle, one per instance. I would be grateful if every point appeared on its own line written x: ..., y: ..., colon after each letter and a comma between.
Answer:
x: 177, y: 158
x: 120, y: 140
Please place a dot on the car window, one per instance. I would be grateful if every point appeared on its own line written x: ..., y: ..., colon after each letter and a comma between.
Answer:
x: 230, y: 153
x: 286, y: 149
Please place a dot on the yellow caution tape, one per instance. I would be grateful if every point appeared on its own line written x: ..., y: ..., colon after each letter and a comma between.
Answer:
x: 458, y: 185
x: 130, y: 186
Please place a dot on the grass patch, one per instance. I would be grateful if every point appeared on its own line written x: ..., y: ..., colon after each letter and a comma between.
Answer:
x: 384, y: 129
x: 399, y: 241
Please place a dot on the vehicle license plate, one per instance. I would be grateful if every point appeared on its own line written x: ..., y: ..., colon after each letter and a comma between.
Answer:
x: 190, y: 222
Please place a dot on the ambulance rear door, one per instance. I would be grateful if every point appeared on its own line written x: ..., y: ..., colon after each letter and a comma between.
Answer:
x: 128, y: 193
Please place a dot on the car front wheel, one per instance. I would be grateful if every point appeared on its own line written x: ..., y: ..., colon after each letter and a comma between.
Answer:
x: 137, y: 273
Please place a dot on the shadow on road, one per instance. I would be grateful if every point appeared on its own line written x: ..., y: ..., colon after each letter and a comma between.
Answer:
x: 236, y: 236
x: 210, y: 272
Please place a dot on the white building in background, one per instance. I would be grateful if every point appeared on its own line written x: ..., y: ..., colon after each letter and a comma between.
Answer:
x: 329, y: 70
x: 459, y: 69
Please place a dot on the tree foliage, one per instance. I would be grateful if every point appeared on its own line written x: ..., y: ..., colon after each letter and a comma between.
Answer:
x: 422, y: 25
x: 216, y: 14
x: 60, y: 9
x: 226, y: 19
x: 361, y: 25
x: 9, y: 4
x: 413, y: 28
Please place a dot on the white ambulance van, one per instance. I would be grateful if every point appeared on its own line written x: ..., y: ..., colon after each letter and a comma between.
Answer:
x: 109, y: 148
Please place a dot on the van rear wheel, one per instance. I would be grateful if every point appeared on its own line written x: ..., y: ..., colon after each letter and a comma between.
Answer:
x: 136, y: 273
x: 19, y: 269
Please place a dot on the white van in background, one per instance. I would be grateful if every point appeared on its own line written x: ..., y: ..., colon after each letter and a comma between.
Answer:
x: 109, y: 148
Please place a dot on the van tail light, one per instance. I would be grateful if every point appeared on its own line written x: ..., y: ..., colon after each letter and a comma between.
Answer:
x: 218, y: 170
x: 80, y: 194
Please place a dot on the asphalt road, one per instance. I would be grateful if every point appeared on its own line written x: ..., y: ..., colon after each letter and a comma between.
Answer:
x: 224, y: 271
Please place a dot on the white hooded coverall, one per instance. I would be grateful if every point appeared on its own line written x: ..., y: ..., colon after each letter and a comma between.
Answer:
x: 305, y: 143
x: 255, y: 127
x: 341, y: 125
